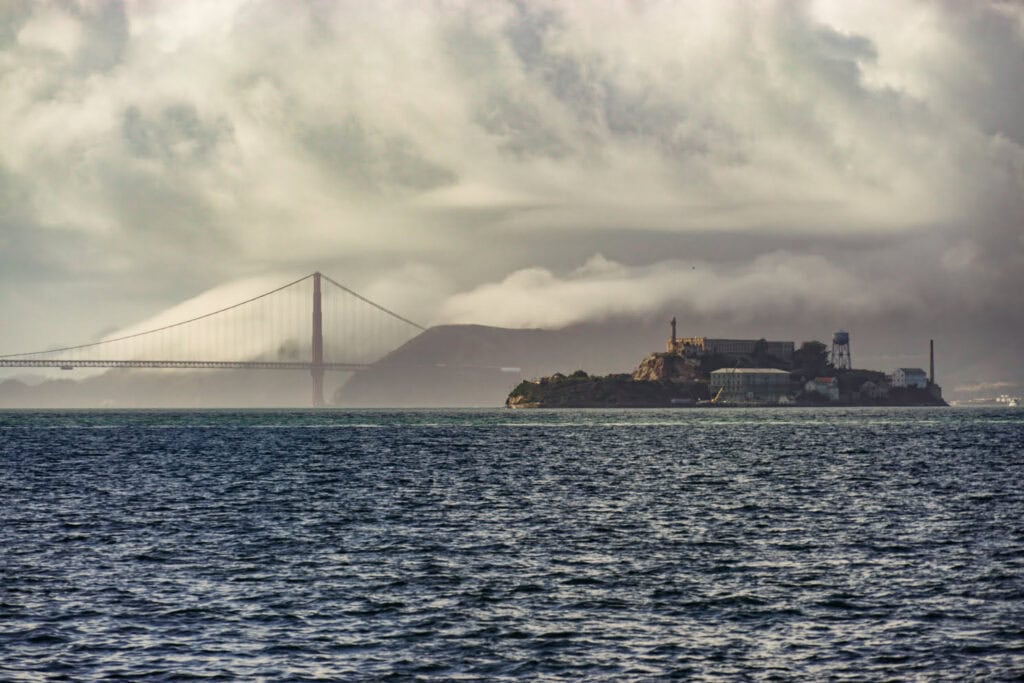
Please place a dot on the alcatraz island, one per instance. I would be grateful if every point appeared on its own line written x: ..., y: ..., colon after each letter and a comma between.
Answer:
x: 702, y: 371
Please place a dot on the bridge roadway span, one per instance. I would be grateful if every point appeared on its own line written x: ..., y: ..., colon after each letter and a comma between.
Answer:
x: 193, y: 364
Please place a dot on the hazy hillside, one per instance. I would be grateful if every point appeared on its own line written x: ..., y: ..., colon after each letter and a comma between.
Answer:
x: 461, y: 365
x: 450, y: 365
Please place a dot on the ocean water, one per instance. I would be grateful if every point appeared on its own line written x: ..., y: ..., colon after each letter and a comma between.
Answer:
x: 500, y: 545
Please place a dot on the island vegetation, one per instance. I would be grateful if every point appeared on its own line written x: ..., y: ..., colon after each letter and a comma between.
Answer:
x: 580, y: 390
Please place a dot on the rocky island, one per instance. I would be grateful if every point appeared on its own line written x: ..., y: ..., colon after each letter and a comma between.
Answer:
x: 580, y: 390
x: 697, y: 371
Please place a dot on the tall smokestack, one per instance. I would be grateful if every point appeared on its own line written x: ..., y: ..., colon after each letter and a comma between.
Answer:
x: 931, y: 361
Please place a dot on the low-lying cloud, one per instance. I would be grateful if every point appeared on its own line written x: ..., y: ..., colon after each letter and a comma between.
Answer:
x: 775, y: 285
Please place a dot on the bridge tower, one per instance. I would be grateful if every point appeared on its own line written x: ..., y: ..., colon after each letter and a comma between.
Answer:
x: 317, y: 359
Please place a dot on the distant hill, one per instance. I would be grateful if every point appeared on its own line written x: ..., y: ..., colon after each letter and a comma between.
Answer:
x: 448, y: 365
x: 460, y: 365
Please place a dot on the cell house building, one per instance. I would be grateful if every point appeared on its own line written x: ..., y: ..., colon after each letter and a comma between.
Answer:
x: 750, y: 385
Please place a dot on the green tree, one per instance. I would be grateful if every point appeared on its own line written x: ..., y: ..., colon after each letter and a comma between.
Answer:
x: 811, y: 359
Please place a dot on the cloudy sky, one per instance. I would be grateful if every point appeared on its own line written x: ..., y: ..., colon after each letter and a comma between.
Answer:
x: 746, y: 166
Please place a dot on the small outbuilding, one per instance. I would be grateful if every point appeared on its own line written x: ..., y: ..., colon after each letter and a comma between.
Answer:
x: 910, y: 377
x: 824, y: 386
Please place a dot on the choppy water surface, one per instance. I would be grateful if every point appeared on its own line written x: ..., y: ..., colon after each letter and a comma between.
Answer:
x: 496, y: 544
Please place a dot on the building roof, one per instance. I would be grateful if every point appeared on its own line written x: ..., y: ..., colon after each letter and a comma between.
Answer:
x: 910, y: 371
x: 726, y: 339
x: 750, y: 371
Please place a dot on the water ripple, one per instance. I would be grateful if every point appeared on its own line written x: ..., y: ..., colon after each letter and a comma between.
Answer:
x: 489, y: 545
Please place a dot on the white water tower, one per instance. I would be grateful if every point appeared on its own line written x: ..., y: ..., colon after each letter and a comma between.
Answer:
x: 841, y: 350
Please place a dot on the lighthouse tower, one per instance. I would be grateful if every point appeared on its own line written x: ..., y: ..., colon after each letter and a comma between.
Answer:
x: 841, y: 350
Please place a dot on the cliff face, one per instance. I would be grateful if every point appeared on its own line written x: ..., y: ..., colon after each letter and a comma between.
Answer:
x: 665, y: 367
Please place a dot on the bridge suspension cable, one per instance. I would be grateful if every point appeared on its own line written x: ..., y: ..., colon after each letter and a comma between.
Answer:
x: 268, y: 331
x: 374, y: 304
x: 158, y: 329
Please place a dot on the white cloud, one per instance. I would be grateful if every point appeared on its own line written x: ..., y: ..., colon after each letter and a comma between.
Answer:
x: 266, y: 318
x: 986, y: 387
x: 774, y: 285
x: 51, y: 29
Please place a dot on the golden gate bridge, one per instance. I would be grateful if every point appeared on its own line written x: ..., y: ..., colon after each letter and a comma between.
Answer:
x: 276, y: 330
